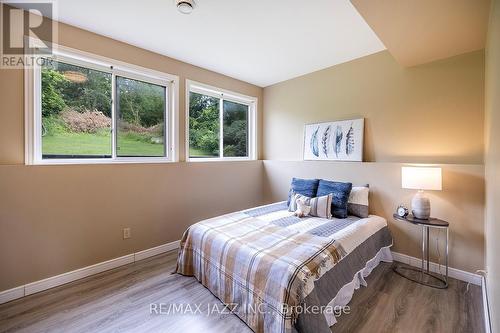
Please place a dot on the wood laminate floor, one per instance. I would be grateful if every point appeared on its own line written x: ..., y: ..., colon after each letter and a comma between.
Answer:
x: 135, y: 298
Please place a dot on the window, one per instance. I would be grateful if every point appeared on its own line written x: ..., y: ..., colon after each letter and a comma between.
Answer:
x: 83, y: 109
x: 220, y: 124
x: 141, y: 118
x: 76, y: 111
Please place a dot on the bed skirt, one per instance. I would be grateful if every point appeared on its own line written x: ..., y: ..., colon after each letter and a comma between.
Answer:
x: 345, y: 294
x: 337, y: 286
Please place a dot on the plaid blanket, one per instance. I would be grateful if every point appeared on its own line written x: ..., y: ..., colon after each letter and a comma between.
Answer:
x: 258, y: 264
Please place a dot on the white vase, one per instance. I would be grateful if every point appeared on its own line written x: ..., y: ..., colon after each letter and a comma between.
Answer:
x: 421, y: 206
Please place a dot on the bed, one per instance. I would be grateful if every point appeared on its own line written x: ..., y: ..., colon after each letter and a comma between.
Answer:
x: 281, y: 273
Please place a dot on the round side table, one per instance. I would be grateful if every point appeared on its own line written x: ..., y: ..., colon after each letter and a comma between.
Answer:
x: 425, y: 277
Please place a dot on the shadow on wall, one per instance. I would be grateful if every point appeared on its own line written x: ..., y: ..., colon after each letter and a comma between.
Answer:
x: 461, y: 202
x: 432, y: 113
x: 368, y: 145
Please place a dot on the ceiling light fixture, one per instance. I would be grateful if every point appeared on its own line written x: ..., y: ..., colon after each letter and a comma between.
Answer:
x: 185, y: 6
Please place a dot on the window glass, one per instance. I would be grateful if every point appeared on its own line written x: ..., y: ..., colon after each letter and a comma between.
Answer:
x: 204, y: 126
x: 140, y: 109
x: 88, y: 109
x: 235, y: 129
x: 76, y: 112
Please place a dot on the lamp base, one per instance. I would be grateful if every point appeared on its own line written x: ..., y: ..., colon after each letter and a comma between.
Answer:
x: 421, y: 206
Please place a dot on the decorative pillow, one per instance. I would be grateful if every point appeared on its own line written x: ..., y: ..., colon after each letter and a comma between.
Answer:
x: 358, y: 201
x: 340, y: 192
x: 320, y: 206
x: 307, y: 187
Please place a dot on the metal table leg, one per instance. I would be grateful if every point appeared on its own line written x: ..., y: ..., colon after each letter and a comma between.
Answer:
x: 427, y: 249
x: 447, y: 237
x: 423, y: 248
x: 425, y: 276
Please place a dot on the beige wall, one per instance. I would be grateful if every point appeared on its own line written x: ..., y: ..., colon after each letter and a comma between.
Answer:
x: 432, y: 113
x: 492, y: 164
x: 429, y: 114
x: 58, y: 218
x: 461, y: 202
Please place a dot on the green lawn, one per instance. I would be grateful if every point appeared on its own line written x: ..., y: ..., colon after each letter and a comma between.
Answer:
x: 128, y: 146
x: 97, y: 144
x: 194, y: 152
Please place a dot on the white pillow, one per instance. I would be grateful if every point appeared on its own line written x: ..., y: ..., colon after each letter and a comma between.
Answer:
x: 358, y: 204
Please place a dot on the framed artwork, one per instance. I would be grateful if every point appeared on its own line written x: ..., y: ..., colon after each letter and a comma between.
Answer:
x: 335, y: 141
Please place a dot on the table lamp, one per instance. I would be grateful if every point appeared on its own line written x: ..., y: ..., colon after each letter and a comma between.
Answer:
x: 421, y: 178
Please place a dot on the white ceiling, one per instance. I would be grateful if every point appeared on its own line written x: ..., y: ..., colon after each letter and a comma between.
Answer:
x: 259, y: 41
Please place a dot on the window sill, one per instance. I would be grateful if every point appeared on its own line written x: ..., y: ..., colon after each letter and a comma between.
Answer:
x: 101, y: 162
x: 216, y: 159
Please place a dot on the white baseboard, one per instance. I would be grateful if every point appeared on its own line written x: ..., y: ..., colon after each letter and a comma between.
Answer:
x: 54, y: 281
x: 58, y: 280
x: 51, y: 282
x: 434, y: 267
x: 11, y: 294
x: 156, y: 250
x: 486, y: 307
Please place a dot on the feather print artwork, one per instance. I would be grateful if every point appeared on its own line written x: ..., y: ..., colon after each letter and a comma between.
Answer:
x: 349, y: 141
x: 334, y: 141
x: 338, y: 140
x: 314, y: 143
x: 325, y: 140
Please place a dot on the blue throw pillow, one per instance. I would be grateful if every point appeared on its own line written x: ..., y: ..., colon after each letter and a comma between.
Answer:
x: 340, y: 193
x: 307, y: 187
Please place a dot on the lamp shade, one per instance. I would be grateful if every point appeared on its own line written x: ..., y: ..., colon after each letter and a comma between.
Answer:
x: 421, y: 178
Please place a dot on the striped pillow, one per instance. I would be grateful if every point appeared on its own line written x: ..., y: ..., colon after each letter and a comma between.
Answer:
x: 357, y: 204
x: 320, y: 206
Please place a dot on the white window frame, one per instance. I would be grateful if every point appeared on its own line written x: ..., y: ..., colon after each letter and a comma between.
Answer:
x: 33, y: 107
x: 222, y: 94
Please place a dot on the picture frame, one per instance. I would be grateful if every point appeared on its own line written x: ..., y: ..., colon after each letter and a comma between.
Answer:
x: 341, y: 140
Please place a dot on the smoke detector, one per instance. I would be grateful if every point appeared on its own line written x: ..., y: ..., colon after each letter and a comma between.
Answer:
x: 185, y: 6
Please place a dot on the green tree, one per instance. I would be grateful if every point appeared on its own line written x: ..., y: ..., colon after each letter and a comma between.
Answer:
x: 92, y: 92
x: 140, y: 103
x: 235, y: 120
x: 235, y: 139
x: 52, y: 98
x: 204, y: 123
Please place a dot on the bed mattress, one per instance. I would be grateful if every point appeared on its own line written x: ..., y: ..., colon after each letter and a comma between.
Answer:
x: 270, y: 266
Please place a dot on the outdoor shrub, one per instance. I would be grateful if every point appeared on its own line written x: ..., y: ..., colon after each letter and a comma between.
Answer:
x: 53, y: 125
x: 153, y: 134
x: 128, y: 127
x: 86, y: 122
